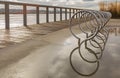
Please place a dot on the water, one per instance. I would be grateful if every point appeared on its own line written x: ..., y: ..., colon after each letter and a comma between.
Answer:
x: 16, y: 20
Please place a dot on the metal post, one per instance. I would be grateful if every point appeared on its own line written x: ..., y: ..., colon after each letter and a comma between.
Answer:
x: 37, y: 14
x: 54, y: 14
x: 25, y: 15
x: 47, y: 14
x: 7, y: 24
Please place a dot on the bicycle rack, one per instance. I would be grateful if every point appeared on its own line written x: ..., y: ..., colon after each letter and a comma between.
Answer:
x: 96, y: 36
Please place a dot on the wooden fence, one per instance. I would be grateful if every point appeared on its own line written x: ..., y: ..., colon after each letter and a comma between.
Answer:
x: 37, y: 6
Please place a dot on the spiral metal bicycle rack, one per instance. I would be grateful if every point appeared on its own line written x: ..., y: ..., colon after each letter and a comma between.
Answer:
x: 96, y: 36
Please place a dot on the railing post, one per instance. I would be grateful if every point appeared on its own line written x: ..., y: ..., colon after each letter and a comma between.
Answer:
x: 25, y: 15
x: 54, y: 14
x: 69, y: 13
x: 7, y: 13
x: 77, y: 14
x: 37, y: 14
x: 73, y: 11
x: 7, y: 18
x: 60, y: 14
x: 47, y: 14
x: 65, y: 13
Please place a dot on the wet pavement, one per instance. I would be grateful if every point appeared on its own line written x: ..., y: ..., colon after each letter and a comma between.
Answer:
x: 48, y: 57
x: 20, y: 34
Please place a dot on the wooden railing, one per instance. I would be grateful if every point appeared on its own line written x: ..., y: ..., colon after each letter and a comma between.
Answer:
x: 7, y: 12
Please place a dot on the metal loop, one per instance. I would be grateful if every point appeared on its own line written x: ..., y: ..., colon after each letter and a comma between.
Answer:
x: 92, y: 24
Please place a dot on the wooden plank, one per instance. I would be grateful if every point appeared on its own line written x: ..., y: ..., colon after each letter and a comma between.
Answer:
x: 7, y: 18
x: 25, y: 15
x: 60, y: 14
x: 37, y: 15
x: 65, y: 14
x: 77, y: 14
x: 69, y: 13
x: 29, y: 4
x: 47, y: 14
x: 54, y: 14
x: 73, y: 11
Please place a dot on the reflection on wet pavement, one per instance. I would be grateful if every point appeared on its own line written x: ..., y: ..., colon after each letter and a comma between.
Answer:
x: 20, y: 34
x: 9, y: 37
x: 51, y: 59
x: 114, y: 30
x: 109, y: 64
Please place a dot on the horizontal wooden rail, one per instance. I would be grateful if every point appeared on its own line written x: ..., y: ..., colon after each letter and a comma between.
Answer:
x: 38, y: 6
x: 29, y: 4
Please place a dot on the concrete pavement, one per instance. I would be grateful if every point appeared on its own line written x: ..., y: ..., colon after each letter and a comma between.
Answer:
x: 47, y: 56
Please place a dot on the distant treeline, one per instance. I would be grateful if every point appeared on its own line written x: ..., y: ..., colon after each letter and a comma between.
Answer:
x: 113, y: 7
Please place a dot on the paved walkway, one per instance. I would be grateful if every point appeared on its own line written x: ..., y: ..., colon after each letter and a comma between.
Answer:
x: 48, y: 57
x: 21, y: 34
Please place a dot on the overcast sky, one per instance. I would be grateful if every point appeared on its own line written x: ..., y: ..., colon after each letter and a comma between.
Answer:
x: 89, y: 4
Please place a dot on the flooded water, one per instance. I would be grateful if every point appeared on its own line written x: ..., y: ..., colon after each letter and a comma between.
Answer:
x: 17, y: 19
